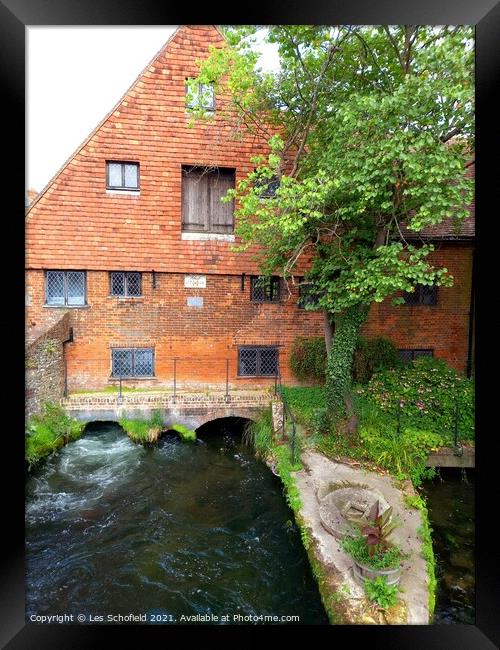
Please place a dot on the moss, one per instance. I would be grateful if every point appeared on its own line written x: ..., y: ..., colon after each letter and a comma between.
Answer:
x: 48, y: 431
x: 424, y: 531
x: 188, y: 435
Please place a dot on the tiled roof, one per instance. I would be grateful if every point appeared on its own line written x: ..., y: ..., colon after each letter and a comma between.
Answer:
x: 449, y: 228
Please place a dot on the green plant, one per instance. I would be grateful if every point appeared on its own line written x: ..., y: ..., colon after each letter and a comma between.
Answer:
x: 305, y: 402
x: 371, y: 355
x: 378, y: 527
x: 425, y: 533
x: 429, y: 395
x: 259, y: 434
x: 308, y: 358
x: 357, y: 548
x: 380, y: 592
x: 49, y: 430
x: 188, y: 435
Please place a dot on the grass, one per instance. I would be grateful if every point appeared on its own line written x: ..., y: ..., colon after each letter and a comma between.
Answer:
x: 143, y: 431
x: 188, y: 435
x: 305, y: 402
x: 48, y: 431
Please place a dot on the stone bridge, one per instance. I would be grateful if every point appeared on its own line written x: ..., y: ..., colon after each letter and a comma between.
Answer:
x: 190, y: 409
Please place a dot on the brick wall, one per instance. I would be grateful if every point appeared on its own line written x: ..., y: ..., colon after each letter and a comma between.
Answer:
x: 443, y: 327
x: 45, y: 364
x: 201, y: 338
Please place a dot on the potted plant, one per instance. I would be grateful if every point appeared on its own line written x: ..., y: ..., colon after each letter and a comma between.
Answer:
x: 373, y: 554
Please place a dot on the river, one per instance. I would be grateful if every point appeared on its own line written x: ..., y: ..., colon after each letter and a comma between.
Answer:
x: 170, y: 531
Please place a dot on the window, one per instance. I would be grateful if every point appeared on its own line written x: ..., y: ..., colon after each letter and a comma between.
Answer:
x: 258, y: 361
x: 200, y: 96
x: 410, y: 355
x: 65, y: 288
x: 265, y: 289
x: 125, y: 283
x: 268, y: 187
x: 423, y: 295
x: 132, y: 362
x: 307, y: 295
x: 122, y: 175
x: 202, y: 208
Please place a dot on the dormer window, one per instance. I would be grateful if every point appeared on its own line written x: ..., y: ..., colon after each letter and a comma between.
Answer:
x: 200, y: 96
x: 122, y: 175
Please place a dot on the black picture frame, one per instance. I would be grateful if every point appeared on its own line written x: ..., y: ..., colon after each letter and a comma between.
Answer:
x: 15, y: 15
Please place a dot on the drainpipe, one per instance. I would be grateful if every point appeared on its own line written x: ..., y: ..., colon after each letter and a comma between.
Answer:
x: 65, y: 362
x: 471, y: 320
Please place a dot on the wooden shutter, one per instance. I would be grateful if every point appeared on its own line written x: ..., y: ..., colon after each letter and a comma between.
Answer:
x: 195, y: 200
x: 221, y: 214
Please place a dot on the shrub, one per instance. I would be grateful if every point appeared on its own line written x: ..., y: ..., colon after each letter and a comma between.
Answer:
x: 357, y: 548
x: 380, y: 592
x: 308, y: 358
x: 430, y: 393
x: 372, y: 355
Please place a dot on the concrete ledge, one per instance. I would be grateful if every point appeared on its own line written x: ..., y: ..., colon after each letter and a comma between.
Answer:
x: 448, y: 457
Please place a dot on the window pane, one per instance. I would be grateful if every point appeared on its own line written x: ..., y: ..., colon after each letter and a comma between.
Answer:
x: 422, y: 353
x: 117, y: 284
x: 55, y: 288
x: 114, y: 175
x: 76, y: 287
x: 143, y: 363
x: 248, y: 361
x: 428, y: 295
x: 195, y: 199
x: 133, y: 284
x: 405, y: 355
x: 268, y: 361
x: 258, y: 289
x: 132, y: 176
x: 122, y: 363
x: 207, y: 96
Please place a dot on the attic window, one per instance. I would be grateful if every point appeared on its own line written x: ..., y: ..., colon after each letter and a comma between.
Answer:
x: 122, y: 175
x: 200, y: 96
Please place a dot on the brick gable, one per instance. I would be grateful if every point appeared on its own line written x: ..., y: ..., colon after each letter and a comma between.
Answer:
x: 76, y: 223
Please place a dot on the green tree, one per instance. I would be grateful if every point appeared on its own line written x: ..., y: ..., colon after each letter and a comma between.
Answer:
x: 369, y: 129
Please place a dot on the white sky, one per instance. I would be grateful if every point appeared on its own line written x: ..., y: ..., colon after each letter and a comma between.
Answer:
x: 74, y: 77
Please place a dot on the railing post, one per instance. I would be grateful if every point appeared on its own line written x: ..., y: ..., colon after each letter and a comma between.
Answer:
x: 458, y: 448
x: 175, y: 378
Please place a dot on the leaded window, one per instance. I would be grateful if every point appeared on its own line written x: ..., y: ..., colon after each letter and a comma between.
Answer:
x: 307, y: 295
x: 132, y: 362
x: 65, y: 288
x: 264, y: 289
x: 258, y: 361
x: 410, y: 355
x: 422, y: 295
x: 122, y: 175
x: 125, y: 283
x: 200, y: 96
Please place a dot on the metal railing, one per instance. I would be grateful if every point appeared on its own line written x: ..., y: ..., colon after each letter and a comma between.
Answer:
x: 178, y: 375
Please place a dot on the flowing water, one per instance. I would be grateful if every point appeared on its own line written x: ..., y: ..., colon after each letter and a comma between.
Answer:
x: 450, y: 502
x: 171, y: 530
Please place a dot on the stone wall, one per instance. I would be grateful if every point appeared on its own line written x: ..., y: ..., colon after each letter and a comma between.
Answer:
x: 45, y: 364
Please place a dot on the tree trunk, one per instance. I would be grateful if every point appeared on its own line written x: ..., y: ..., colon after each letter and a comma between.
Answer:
x: 339, y: 364
x: 327, y: 324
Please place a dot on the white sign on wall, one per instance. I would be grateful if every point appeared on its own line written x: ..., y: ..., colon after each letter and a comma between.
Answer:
x: 195, y: 281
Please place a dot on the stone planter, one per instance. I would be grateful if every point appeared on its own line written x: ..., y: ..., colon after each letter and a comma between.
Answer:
x: 363, y: 572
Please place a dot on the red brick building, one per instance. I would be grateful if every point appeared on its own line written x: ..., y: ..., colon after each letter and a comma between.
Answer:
x: 130, y: 238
